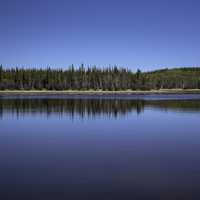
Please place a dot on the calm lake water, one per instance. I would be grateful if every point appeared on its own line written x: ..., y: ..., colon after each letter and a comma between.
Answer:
x: 100, y: 147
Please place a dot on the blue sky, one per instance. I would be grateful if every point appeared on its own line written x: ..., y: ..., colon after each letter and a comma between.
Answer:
x: 133, y: 33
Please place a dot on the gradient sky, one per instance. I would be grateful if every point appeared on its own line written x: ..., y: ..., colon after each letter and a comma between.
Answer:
x: 132, y: 33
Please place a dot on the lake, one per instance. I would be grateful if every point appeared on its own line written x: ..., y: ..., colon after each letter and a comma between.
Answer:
x: 100, y: 147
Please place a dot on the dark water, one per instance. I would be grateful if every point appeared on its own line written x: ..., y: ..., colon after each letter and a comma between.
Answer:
x: 100, y: 148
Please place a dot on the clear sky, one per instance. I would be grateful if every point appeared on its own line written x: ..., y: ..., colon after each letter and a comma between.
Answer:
x: 145, y: 34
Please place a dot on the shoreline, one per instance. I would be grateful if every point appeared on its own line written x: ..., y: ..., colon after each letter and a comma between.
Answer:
x: 99, y: 92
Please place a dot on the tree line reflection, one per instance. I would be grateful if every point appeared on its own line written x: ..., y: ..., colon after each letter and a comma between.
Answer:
x: 92, y: 107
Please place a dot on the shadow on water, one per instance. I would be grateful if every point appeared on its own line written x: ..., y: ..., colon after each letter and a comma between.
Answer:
x: 92, y: 107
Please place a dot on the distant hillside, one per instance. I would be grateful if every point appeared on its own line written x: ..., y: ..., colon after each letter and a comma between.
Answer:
x: 112, y: 78
x: 186, y: 78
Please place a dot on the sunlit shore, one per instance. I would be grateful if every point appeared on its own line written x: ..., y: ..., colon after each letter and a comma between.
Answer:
x: 99, y: 92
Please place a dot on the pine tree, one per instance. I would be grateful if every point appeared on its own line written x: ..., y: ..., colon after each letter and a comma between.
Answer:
x: 1, y: 73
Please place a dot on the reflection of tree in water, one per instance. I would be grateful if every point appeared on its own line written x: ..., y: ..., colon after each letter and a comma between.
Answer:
x: 1, y: 110
x: 91, y: 107
x: 175, y: 105
x: 72, y: 107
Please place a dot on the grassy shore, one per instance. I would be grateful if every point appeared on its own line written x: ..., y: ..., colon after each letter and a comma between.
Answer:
x: 101, y: 92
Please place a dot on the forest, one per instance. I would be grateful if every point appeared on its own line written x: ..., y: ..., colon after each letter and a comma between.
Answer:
x: 94, y: 78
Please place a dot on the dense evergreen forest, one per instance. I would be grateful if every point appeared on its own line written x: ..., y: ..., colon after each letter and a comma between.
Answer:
x: 111, y: 78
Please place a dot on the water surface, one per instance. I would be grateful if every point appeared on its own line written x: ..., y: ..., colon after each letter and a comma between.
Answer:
x: 100, y: 147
